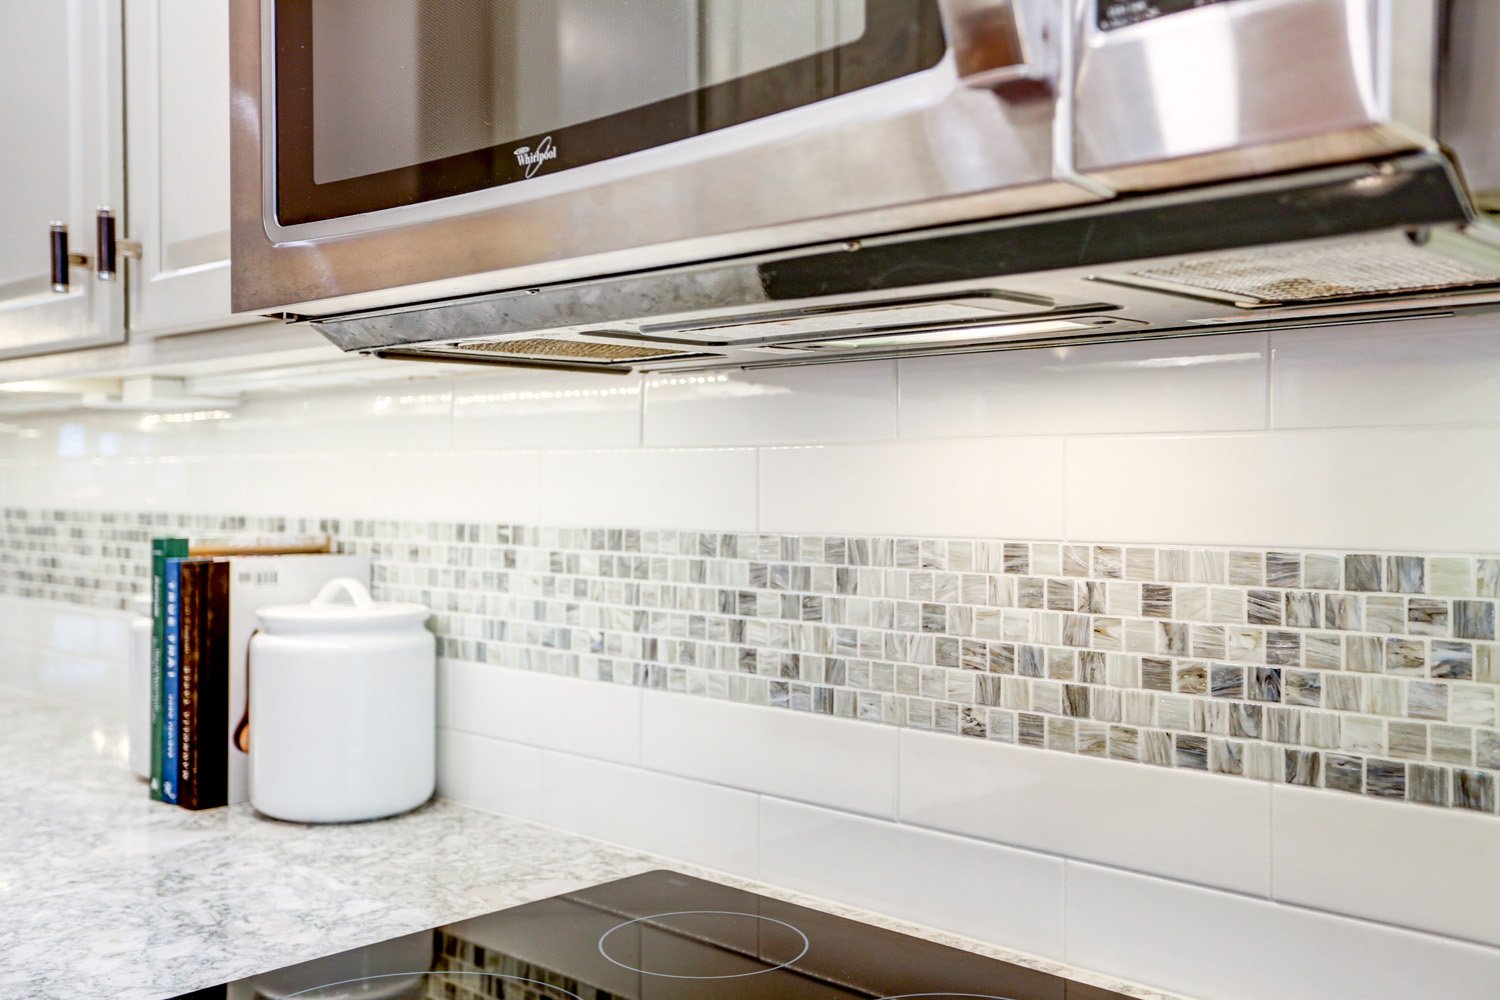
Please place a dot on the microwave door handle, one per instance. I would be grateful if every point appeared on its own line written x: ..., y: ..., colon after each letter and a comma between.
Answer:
x: 1000, y: 47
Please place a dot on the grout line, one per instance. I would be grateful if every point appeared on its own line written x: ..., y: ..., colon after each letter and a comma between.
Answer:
x: 1067, y: 868
x: 759, y: 492
x: 898, y: 434
x: 453, y: 391
x: 760, y: 833
x: 900, y: 740
x: 640, y: 419
x: 1271, y: 838
x: 1270, y: 376
x: 1067, y: 489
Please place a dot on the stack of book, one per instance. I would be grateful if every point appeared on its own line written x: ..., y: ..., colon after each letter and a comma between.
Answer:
x: 204, y: 599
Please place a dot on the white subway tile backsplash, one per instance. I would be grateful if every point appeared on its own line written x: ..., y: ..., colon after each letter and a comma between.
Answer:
x: 409, y: 416
x: 283, y: 484
x: 1393, y: 489
x: 1430, y: 372
x: 1006, y: 895
x: 689, y: 820
x: 558, y: 713
x: 1386, y: 861
x: 11, y: 493
x: 818, y: 563
x: 826, y: 761
x: 108, y: 435
x: 553, y: 410
x: 477, y: 485
x: 492, y: 775
x: 1011, y: 487
x: 1219, y: 946
x: 81, y: 482
x: 1192, y: 384
x: 651, y: 487
x: 1193, y: 827
x: 854, y: 402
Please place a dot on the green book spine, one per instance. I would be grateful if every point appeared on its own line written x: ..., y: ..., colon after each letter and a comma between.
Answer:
x: 158, y: 585
x: 161, y: 550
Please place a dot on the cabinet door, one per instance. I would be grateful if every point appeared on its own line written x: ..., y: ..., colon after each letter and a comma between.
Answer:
x: 177, y: 107
x: 60, y: 129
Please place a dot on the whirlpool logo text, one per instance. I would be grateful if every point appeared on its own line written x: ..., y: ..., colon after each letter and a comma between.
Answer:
x: 532, y: 159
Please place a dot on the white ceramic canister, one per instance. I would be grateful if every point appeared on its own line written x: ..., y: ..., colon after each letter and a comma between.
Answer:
x: 343, y: 722
x: 139, y: 687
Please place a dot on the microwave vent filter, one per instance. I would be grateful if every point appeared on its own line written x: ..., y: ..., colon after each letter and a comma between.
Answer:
x: 569, y: 350
x: 1353, y: 269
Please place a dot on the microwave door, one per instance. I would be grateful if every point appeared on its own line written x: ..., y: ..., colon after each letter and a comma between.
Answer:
x: 389, y: 152
x: 388, y: 103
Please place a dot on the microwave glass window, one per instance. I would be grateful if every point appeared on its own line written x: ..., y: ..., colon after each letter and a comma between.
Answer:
x: 481, y: 73
x: 382, y: 103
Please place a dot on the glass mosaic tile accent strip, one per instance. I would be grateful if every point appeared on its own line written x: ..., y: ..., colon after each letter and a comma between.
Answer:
x: 1367, y: 673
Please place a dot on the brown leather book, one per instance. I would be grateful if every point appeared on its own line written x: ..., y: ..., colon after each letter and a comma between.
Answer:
x: 205, y: 684
x: 190, y: 598
x: 255, y: 545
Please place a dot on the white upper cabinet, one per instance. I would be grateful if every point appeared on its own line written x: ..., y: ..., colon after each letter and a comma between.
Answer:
x: 177, y: 110
x: 60, y: 124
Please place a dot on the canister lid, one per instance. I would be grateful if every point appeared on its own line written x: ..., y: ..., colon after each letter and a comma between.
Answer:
x: 361, y: 613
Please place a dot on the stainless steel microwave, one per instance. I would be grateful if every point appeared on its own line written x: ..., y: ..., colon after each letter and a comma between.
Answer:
x: 407, y: 142
x: 619, y: 184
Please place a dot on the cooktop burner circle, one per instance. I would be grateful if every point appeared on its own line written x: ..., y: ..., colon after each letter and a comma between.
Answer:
x: 399, y: 986
x: 774, y: 943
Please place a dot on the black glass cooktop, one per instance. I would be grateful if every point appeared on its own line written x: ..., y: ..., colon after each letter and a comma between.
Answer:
x: 657, y: 936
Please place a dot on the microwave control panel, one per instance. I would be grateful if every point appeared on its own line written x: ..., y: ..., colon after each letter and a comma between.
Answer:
x: 1120, y: 13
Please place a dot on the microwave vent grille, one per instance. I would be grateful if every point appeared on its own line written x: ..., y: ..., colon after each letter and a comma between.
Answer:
x: 1354, y: 269
x: 571, y: 350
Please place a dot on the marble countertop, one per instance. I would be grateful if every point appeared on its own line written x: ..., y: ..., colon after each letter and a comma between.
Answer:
x: 104, y: 893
